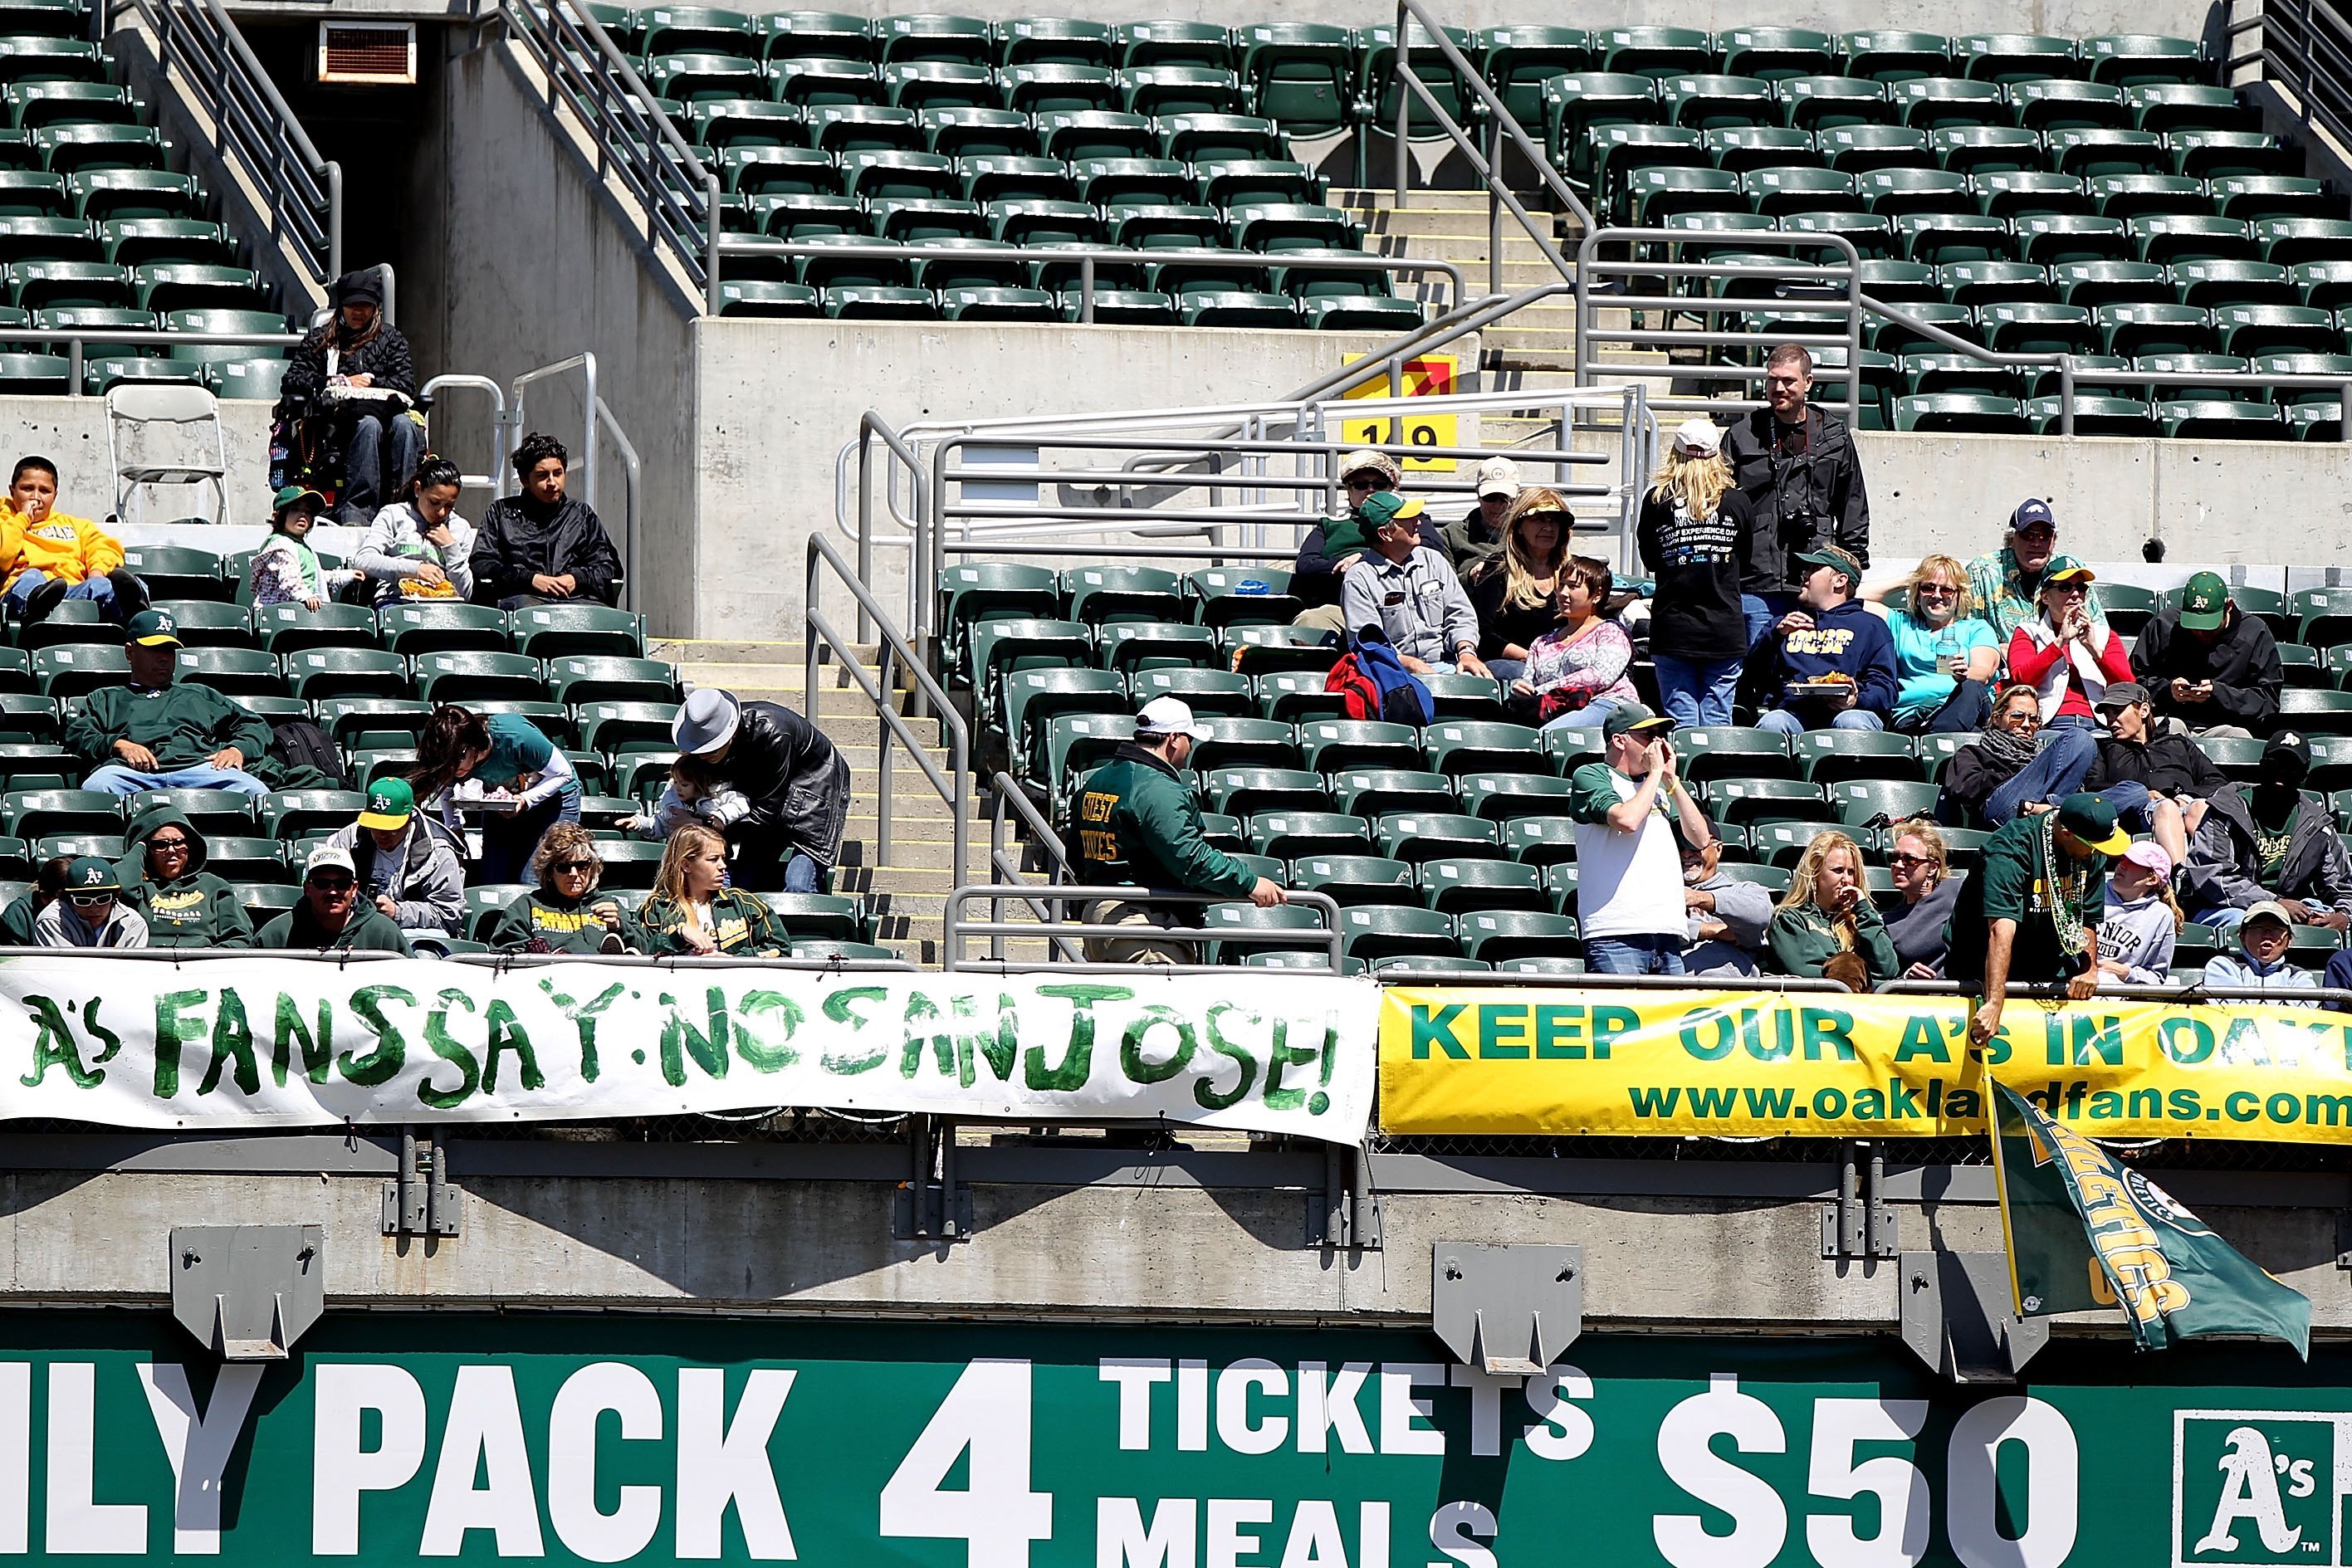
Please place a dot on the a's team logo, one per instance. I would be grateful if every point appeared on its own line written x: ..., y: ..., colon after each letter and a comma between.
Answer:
x: 2258, y: 1486
x: 94, y: 877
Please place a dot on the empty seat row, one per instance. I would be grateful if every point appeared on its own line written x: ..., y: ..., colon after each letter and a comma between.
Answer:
x: 1123, y: 306
x: 65, y: 670
x: 1194, y: 138
x: 900, y: 173
x: 1653, y: 193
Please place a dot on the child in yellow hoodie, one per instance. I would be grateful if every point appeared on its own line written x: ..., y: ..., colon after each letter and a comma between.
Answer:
x: 46, y: 557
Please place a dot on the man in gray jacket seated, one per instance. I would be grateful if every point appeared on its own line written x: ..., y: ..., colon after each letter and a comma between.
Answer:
x: 2267, y: 841
x: 404, y: 869
x: 1727, y: 916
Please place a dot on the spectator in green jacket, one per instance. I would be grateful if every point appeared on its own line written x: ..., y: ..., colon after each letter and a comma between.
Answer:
x: 16, y: 920
x: 333, y: 917
x: 153, y: 735
x: 1827, y: 910
x: 693, y: 912
x: 163, y: 878
x: 1138, y: 826
x: 562, y: 914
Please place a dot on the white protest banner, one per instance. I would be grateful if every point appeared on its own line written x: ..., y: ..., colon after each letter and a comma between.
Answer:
x: 278, y: 1042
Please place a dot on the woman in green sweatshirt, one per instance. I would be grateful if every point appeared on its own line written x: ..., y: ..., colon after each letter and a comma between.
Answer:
x: 164, y: 879
x: 693, y: 913
x: 1827, y: 910
x: 562, y: 914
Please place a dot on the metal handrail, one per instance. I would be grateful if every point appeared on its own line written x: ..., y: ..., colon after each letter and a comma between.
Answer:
x: 956, y: 928
x: 2305, y: 49
x: 634, y: 470
x: 1500, y: 123
x: 500, y: 431
x: 895, y: 655
x: 2195, y: 991
x: 633, y: 140
x: 78, y: 340
x: 585, y: 364
x: 251, y: 121
x: 1011, y: 799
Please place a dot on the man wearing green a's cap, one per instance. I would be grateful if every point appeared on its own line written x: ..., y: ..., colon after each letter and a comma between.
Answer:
x: 149, y: 734
x: 1407, y: 593
x: 404, y: 867
x: 2030, y: 912
x: 2208, y: 665
x: 89, y: 912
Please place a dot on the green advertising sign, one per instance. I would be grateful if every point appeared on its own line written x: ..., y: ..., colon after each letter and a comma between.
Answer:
x: 659, y: 1439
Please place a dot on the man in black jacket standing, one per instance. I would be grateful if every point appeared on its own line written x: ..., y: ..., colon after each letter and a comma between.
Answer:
x: 1797, y: 465
x: 542, y: 546
x: 797, y: 783
x: 355, y: 369
x: 2209, y: 666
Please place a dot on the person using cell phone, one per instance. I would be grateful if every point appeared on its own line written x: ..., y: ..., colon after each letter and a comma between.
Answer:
x: 2211, y: 668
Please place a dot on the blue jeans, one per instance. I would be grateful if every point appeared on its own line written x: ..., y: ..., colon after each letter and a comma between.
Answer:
x: 1506, y: 670
x: 374, y: 439
x: 803, y: 874
x: 1591, y: 713
x: 1634, y: 955
x: 2057, y: 771
x: 1965, y: 709
x: 1786, y: 721
x: 116, y: 779
x: 509, y: 842
x: 1696, y: 692
x: 1759, y: 617
x: 97, y: 587
x: 2132, y: 806
x: 2223, y: 919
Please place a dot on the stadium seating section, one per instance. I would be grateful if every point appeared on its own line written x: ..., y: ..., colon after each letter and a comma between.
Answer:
x: 1451, y: 843
x: 369, y: 679
x: 98, y: 231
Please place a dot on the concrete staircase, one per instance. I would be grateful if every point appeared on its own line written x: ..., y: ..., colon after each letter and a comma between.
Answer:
x: 908, y: 893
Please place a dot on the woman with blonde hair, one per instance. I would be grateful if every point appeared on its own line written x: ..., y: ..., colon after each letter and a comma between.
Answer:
x: 1945, y: 656
x: 1827, y: 912
x: 1513, y: 590
x: 1694, y: 535
x: 693, y: 912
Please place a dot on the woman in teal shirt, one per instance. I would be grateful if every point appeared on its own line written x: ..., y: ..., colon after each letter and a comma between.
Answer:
x: 1946, y: 656
x: 505, y: 752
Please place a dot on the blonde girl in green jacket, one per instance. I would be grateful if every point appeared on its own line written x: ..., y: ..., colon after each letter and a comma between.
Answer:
x: 1827, y: 910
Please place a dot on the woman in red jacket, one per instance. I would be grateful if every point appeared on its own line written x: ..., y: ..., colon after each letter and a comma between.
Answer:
x: 2060, y: 654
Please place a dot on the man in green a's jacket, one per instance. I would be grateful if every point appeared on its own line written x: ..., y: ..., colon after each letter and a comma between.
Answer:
x: 332, y: 918
x: 1138, y: 825
x: 150, y: 734
x: 164, y: 879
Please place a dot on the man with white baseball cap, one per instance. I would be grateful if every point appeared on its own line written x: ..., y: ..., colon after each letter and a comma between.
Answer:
x: 1138, y: 825
x: 1479, y: 533
x: 796, y: 780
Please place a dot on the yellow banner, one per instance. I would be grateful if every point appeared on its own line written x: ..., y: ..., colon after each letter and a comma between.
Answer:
x: 1501, y: 1061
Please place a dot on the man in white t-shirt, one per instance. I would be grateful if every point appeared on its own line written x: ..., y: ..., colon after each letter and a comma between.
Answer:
x: 1629, y: 885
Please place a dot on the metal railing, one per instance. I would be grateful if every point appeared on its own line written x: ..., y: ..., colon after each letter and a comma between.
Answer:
x: 2301, y: 47
x: 960, y: 928
x: 633, y: 139
x: 79, y: 340
x: 253, y: 130
x: 1501, y: 125
x: 895, y: 657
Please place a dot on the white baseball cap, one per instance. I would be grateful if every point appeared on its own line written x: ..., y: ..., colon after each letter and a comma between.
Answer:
x: 1698, y: 438
x: 1498, y: 476
x: 328, y: 857
x: 1165, y: 717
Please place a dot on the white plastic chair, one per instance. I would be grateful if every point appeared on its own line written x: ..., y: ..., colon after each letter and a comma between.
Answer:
x: 136, y: 406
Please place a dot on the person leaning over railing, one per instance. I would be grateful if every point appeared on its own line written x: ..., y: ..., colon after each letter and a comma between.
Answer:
x: 1827, y: 910
x: 2030, y: 915
x: 693, y: 912
x: 1138, y: 826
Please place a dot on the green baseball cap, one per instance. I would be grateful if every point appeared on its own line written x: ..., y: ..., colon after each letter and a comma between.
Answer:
x: 2092, y: 820
x: 287, y: 495
x: 1836, y: 557
x: 390, y: 803
x: 1384, y: 507
x: 1633, y: 717
x: 90, y: 875
x: 2204, y: 603
x: 2065, y: 568
x: 153, y: 628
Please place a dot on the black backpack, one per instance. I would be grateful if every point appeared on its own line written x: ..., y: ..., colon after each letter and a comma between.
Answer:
x: 300, y: 748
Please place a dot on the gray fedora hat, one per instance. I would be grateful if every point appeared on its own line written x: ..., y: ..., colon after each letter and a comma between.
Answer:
x: 706, y: 720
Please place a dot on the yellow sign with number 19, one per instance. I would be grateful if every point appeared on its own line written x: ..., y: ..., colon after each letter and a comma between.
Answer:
x: 1428, y: 375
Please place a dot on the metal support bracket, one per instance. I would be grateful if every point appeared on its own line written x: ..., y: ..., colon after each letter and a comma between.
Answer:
x: 1346, y: 1212
x: 248, y: 1291
x: 422, y: 1200
x: 2343, y: 1242
x: 1860, y: 1226
x: 1957, y: 1317
x: 1506, y: 1309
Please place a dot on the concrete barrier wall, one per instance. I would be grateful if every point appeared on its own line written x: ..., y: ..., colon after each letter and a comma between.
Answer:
x: 71, y: 433
x: 777, y: 400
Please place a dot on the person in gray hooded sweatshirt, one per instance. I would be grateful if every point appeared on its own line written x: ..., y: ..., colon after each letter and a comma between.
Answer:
x: 91, y: 912
x: 1727, y: 917
x: 405, y: 868
x: 164, y: 879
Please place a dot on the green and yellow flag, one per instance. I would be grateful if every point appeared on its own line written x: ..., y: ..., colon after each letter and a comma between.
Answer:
x: 2085, y: 1232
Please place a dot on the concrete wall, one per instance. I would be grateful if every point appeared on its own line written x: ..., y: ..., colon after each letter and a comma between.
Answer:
x: 777, y: 401
x: 71, y: 433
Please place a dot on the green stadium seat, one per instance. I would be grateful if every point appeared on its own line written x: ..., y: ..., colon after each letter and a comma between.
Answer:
x: 618, y: 728
x: 2205, y: 284
x: 1098, y: 593
x: 1373, y: 792
x: 814, y: 916
x: 1082, y: 741
x: 342, y: 671
x: 1379, y: 932
x: 1892, y: 191
x: 35, y: 58
x: 2210, y: 419
x: 2320, y: 617
x: 210, y: 811
x: 1211, y: 694
x: 1574, y: 103
x: 746, y: 124
x: 1653, y: 194
x: 2059, y: 239
x: 2287, y: 241
x: 2095, y: 284
x: 685, y: 29
x: 896, y: 175
x: 2323, y: 285
x: 2254, y: 197
x: 2063, y: 105
x: 1203, y: 139
x: 1300, y: 75
x: 1058, y: 40
x: 1244, y: 596
x: 1246, y: 742
x: 2215, y: 154
x: 1330, y: 745
x: 28, y: 719
x: 1570, y: 746
x: 1060, y: 89
x: 975, y: 590
x: 1935, y: 239
x: 1519, y: 61
x: 1980, y: 282
x: 291, y: 814
x: 2095, y: 414
x: 1935, y: 103
x: 73, y: 149
x: 38, y: 814
x: 1892, y: 55
x: 2320, y: 712
x: 356, y: 722
x: 819, y: 34
x: 1500, y: 936
x: 1961, y: 413
x: 35, y: 375
x: 1296, y: 833
x: 2139, y: 59
x: 1457, y: 746
x: 1707, y: 102
x: 995, y: 645
x: 467, y: 674
x: 1302, y: 931
x: 1781, y: 191
x: 1120, y: 182
x: 700, y: 76
x: 36, y: 284
x: 1777, y: 53
x: 942, y: 84
x: 2140, y: 330
x: 1289, y: 227
x: 284, y: 628
x: 1421, y: 836
x: 1835, y: 756
x: 1000, y: 304
x: 970, y: 263
x: 2026, y: 327
x: 2301, y: 365
x: 2030, y: 193
x: 1098, y: 133
x: 1984, y: 149
x: 1243, y: 790
x: 2090, y: 153
x: 1858, y: 802
x: 167, y: 286
x: 2166, y: 237
x: 1860, y: 148
x: 2007, y: 57
x: 1541, y: 841
x: 1159, y: 90
x: 1500, y: 797
x: 234, y: 672
x: 1134, y: 645
x: 1656, y: 52
x: 1457, y: 886
x: 1257, y: 650
x: 2249, y: 329
x: 965, y: 39
x: 969, y: 132
x: 2181, y: 106
x: 2158, y: 366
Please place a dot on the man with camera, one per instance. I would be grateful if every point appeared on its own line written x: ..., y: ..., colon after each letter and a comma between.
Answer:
x: 1797, y: 465
x: 1630, y: 903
